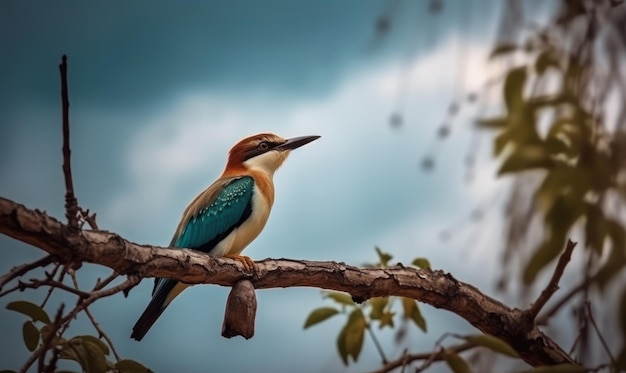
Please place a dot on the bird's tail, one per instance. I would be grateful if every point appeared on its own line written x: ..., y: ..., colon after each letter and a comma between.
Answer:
x: 160, y: 300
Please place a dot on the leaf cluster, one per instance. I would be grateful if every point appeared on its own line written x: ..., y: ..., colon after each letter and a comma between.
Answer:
x: 578, y: 156
x: 89, y: 352
x: 363, y: 316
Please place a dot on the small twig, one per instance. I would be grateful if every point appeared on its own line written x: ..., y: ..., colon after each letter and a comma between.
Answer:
x: 101, y: 333
x: 95, y: 324
x: 71, y: 204
x: 377, y: 344
x: 51, y: 276
x: 90, y: 219
x: 566, y: 298
x: 553, y: 285
x: 581, y: 330
x: 130, y: 282
x: 23, y: 269
x: 36, y: 284
x: 105, y: 282
x: 595, y: 327
x: 428, y: 357
x: 405, y: 364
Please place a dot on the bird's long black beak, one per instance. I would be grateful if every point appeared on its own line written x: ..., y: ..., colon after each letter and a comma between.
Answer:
x: 296, y: 142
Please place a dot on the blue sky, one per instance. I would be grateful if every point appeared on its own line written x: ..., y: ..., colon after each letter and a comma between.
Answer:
x: 160, y: 91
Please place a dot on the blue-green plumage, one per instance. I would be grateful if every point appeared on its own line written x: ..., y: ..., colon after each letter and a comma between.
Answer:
x: 230, y: 207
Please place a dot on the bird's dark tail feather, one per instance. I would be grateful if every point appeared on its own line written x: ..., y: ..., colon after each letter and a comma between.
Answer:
x: 153, y: 311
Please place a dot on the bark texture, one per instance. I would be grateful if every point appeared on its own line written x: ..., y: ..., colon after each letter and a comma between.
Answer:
x: 437, y: 288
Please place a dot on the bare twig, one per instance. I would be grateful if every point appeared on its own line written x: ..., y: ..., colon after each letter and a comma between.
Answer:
x: 581, y: 330
x: 553, y: 285
x: 51, y: 289
x: 35, y: 284
x: 71, y: 204
x: 130, y: 282
x: 428, y: 357
x: 101, y: 333
x: 23, y: 269
x: 377, y: 344
x: 105, y: 282
x: 595, y: 327
x: 91, y: 317
x: 90, y: 219
x: 566, y: 298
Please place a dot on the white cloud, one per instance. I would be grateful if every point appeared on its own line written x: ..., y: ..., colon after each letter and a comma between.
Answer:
x: 361, y: 174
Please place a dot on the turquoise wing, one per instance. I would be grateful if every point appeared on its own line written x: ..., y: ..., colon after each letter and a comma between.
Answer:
x: 230, y: 208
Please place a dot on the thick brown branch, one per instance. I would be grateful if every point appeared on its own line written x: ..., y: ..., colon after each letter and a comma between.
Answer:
x: 436, y: 288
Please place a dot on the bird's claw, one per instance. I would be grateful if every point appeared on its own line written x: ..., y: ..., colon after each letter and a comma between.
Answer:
x: 246, y: 261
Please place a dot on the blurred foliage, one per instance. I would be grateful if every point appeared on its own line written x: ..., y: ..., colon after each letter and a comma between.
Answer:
x: 89, y: 352
x: 361, y: 317
x: 563, y: 137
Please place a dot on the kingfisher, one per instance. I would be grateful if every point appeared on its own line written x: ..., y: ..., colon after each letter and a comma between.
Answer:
x: 224, y: 218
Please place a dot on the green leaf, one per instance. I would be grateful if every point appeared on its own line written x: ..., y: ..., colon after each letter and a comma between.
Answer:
x: 386, y: 319
x: 96, y: 358
x: 526, y: 158
x: 383, y: 256
x: 545, y: 60
x: 74, y: 349
x: 31, y: 335
x: 131, y: 366
x: 617, y: 257
x: 514, y: 89
x: 355, y: 332
x: 493, y: 123
x: 455, y: 362
x: 503, y: 139
x: 492, y: 343
x: 502, y: 49
x: 596, y: 230
x: 318, y: 315
x: 29, y: 309
x: 342, y: 350
x: 412, y: 311
x: 558, y: 368
x: 341, y: 298
x: 545, y: 253
x: 95, y: 342
x: 378, y: 305
x: 421, y: 263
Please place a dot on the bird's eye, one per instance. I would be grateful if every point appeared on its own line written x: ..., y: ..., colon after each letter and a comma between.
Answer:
x: 263, y: 145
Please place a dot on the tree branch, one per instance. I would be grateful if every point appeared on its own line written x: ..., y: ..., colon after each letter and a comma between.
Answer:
x: 23, y: 269
x: 553, y: 285
x: 71, y: 204
x: 436, y: 288
x: 431, y: 356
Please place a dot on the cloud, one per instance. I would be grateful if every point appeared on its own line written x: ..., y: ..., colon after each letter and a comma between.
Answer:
x: 360, y: 185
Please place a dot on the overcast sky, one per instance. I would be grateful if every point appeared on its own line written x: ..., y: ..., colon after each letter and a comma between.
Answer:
x: 161, y: 90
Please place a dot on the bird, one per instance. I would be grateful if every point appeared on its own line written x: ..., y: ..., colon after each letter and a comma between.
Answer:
x: 228, y: 215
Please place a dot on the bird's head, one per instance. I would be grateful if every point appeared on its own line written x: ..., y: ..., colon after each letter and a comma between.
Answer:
x: 265, y: 152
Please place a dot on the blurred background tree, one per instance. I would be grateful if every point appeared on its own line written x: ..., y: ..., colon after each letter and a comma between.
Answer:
x: 559, y: 132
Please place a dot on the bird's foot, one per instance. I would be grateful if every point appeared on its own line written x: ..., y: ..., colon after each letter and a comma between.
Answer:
x: 247, y: 262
